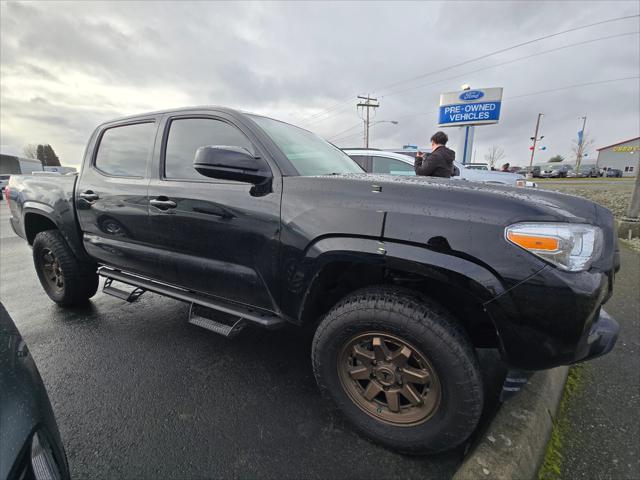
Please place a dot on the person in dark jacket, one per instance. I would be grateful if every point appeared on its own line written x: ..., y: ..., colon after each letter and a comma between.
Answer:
x: 440, y: 162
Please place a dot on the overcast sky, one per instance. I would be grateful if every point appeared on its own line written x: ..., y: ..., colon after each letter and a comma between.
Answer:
x: 66, y: 67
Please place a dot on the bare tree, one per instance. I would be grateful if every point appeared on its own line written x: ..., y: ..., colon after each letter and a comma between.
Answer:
x: 579, y: 149
x: 494, y: 155
x: 30, y: 150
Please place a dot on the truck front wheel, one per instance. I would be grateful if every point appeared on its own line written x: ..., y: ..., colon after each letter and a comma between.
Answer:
x: 399, y: 368
x: 67, y: 280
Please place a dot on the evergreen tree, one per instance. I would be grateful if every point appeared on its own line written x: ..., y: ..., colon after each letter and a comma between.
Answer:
x: 40, y: 154
x: 51, y: 159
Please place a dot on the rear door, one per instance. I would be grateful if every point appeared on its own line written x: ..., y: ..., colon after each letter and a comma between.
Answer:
x: 111, y: 195
x: 215, y: 236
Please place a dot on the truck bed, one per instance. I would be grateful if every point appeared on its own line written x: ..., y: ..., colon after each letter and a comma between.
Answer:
x: 51, y: 197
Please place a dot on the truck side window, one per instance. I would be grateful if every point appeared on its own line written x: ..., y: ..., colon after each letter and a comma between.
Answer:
x: 124, y: 150
x: 187, y: 135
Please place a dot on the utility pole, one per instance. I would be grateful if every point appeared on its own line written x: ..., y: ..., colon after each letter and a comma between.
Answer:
x: 581, y: 143
x: 368, y: 103
x: 535, y: 140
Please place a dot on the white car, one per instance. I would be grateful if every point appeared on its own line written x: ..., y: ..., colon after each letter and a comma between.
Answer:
x: 380, y: 161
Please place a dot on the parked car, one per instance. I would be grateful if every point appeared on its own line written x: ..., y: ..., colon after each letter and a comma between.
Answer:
x: 401, y: 278
x: 554, y: 170
x: 614, y: 172
x: 478, y: 166
x: 380, y: 161
x: 584, y: 171
x: 534, y: 170
x: 30, y: 444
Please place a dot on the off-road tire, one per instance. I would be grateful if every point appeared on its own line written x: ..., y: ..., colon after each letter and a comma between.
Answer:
x: 79, y: 279
x: 407, y: 315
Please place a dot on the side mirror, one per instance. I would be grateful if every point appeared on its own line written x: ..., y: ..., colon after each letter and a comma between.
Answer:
x: 230, y: 163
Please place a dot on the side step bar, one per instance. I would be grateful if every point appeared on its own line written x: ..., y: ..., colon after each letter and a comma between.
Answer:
x: 263, y: 318
x: 227, y: 328
x: 130, y: 297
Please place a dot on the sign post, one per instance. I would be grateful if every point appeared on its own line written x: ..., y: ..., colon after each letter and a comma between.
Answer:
x: 466, y: 109
x: 465, y: 143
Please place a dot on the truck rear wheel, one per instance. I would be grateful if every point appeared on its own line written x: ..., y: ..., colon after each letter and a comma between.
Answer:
x: 67, y: 280
x: 400, y: 369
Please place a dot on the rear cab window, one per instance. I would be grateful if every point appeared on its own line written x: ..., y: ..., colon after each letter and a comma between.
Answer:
x: 124, y: 150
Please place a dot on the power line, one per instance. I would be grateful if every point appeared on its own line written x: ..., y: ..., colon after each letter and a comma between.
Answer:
x: 344, y: 105
x: 335, y: 140
x: 358, y: 125
x: 502, y: 50
x: 327, y: 113
x: 544, y: 52
x: 573, y: 86
x: 578, y: 85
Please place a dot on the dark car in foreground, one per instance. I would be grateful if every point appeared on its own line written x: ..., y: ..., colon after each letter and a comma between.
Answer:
x: 400, y: 278
x: 30, y: 445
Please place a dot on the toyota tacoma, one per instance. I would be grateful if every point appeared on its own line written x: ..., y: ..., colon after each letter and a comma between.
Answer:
x: 400, y: 278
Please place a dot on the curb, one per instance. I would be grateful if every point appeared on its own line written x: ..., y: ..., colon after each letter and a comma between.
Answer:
x: 514, y: 444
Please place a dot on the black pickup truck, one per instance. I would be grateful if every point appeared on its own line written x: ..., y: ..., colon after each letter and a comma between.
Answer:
x: 257, y: 222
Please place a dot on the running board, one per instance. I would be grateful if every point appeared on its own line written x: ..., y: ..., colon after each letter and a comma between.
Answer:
x: 200, y: 316
x: 130, y: 297
x: 262, y: 318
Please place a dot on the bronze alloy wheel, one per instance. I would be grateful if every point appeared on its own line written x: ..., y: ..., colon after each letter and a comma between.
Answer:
x: 51, y: 270
x: 389, y: 379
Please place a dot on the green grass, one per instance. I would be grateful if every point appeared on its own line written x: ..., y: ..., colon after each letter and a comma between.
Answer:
x: 551, y: 468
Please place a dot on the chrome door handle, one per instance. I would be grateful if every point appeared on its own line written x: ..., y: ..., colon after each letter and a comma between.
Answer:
x: 89, y: 196
x: 163, y: 204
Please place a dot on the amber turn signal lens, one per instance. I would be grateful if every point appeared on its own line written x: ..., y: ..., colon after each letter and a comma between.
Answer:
x: 533, y: 242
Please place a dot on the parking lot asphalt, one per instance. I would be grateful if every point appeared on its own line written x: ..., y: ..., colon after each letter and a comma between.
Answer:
x: 603, y: 438
x: 139, y: 393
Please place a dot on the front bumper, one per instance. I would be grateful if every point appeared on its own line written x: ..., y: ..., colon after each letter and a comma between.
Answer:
x: 602, y: 337
x: 554, y: 318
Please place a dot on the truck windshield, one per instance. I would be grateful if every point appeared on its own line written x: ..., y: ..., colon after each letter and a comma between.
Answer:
x: 309, y: 154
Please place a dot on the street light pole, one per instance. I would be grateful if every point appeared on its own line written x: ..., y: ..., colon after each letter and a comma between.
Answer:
x: 535, y: 139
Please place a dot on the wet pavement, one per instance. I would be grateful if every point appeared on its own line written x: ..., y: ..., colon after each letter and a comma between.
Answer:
x: 603, y: 441
x: 139, y: 393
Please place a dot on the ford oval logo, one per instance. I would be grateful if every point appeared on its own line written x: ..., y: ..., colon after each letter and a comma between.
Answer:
x: 471, y: 95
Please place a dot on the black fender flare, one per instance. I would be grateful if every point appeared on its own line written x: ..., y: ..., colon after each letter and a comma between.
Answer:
x: 448, y: 267
x: 43, y: 210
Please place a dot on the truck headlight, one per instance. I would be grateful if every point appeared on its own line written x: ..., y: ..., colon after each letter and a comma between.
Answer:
x: 570, y: 247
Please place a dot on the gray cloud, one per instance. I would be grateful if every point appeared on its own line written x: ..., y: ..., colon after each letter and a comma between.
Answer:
x: 68, y: 66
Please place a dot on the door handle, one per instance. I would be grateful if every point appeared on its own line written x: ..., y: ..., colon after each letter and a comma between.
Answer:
x: 163, y: 203
x: 89, y: 196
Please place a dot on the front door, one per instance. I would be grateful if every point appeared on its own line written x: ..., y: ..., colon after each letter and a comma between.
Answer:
x: 213, y: 236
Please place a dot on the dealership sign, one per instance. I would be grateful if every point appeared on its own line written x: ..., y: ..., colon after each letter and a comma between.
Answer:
x: 470, y: 107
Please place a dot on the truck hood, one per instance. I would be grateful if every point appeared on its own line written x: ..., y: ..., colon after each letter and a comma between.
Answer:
x: 463, y: 199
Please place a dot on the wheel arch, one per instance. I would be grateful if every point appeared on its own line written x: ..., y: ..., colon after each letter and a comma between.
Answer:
x: 345, y: 265
x: 36, y: 221
x: 38, y: 218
